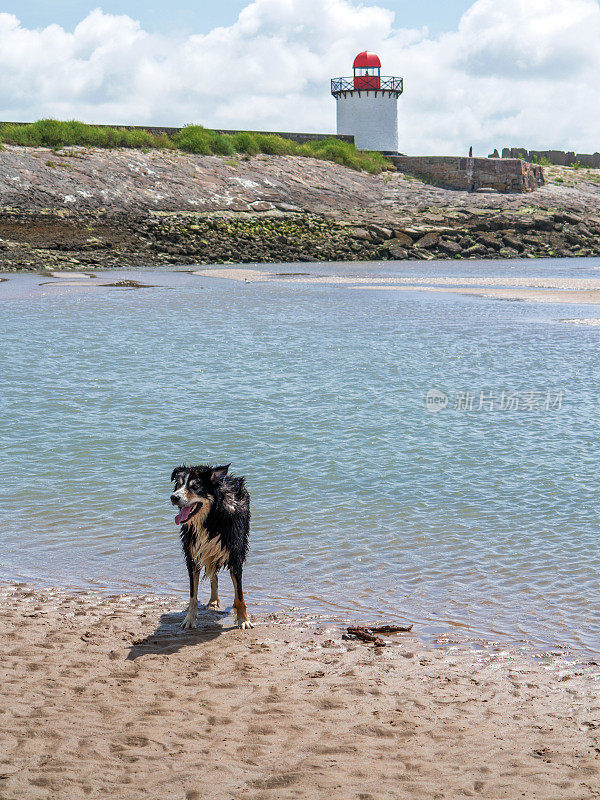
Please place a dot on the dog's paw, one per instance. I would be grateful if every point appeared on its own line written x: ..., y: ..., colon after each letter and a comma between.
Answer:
x: 188, y: 623
x: 214, y: 606
x: 245, y: 624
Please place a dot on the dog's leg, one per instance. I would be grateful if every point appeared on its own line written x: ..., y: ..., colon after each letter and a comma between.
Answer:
x: 243, y: 620
x: 192, y: 613
x: 214, y: 603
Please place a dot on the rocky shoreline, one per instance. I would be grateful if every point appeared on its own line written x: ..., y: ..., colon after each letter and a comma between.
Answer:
x: 34, y: 241
x: 98, y: 209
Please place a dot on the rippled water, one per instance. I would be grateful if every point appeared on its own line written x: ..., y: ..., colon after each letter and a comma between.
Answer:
x: 365, y: 505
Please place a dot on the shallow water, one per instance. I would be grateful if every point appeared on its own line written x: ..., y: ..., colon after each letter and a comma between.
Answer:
x: 479, y: 523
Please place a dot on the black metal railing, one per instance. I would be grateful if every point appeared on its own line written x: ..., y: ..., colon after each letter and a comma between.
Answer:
x: 387, y: 83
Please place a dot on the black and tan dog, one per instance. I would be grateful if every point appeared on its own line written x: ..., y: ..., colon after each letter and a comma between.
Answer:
x: 214, y: 514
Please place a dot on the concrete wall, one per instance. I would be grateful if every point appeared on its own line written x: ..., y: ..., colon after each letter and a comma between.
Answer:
x: 469, y: 174
x: 371, y: 117
x: 559, y: 157
x: 157, y: 130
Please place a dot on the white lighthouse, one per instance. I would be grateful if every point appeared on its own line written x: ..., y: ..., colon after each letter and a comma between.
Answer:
x: 367, y: 105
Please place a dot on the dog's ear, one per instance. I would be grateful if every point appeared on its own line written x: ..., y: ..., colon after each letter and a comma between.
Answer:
x: 218, y: 473
x: 176, y: 472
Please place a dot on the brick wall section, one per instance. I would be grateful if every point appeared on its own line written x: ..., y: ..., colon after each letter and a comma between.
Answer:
x: 559, y: 157
x: 157, y: 130
x: 470, y: 174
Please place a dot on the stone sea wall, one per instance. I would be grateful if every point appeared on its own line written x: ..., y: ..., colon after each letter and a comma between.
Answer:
x: 471, y: 174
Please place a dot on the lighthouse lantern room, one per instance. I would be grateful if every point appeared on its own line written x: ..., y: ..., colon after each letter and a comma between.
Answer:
x: 367, y: 105
x: 367, y: 71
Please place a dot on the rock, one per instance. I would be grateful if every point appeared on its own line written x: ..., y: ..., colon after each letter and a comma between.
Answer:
x: 543, y: 224
x: 429, y: 240
x: 360, y: 233
x: 449, y: 247
x: 128, y: 284
x: 379, y: 233
x: 397, y: 251
x: 523, y: 224
x: 261, y: 205
x: 288, y: 207
x: 489, y: 240
x: 513, y: 242
x: 475, y: 250
x: 495, y: 224
x: 569, y: 218
x: 403, y: 238
x: 508, y: 252
x: 418, y: 231
x: 572, y: 236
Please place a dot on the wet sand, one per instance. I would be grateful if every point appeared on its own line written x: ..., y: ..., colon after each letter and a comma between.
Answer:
x: 593, y: 321
x: 581, y: 297
x: 584, y: 291
x: 106, y: 697
x: 251, y: 275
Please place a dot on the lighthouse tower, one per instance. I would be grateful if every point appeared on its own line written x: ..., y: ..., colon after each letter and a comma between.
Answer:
x: 367, y: 105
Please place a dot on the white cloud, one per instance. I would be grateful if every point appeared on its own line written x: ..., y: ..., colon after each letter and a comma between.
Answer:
x: 519, y: 72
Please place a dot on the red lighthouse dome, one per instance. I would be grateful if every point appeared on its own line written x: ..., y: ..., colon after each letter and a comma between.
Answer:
x: 367, y: 71
x: 366, y: 59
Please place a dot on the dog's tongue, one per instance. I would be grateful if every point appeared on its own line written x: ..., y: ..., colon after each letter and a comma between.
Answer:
x: 184, y: 514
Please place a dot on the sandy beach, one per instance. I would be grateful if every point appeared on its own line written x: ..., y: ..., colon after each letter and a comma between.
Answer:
x: 579, y: 291
x: 582, y: 291
x: 529, y: 295
x: 104, y: 696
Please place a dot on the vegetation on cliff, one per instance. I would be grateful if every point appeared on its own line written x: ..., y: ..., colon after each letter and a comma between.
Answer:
x: 191, y: 139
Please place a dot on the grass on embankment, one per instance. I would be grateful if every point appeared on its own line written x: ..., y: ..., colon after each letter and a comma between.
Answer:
x: 191, y: 139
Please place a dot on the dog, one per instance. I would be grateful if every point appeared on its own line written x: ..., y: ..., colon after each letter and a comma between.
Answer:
x: 214, y: 514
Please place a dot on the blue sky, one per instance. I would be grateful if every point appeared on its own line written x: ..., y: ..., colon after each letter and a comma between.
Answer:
x: 200, y: 17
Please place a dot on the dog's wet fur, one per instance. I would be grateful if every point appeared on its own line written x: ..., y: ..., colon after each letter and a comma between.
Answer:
x: 214, y: 513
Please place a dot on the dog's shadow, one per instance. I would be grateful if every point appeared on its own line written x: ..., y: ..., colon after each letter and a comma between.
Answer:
x: 168, y: 637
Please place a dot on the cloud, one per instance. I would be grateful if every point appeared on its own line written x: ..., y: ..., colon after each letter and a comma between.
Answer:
x: 520, y: 72
x: 537, y: 39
